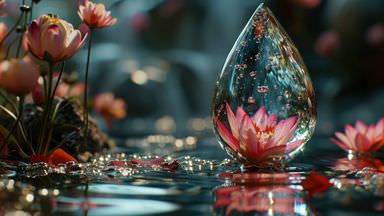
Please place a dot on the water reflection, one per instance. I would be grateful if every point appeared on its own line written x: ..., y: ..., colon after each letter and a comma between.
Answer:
x: 116, y: 189
x: 111, y: 206
x: 355, y: 164
x: 262, y: 194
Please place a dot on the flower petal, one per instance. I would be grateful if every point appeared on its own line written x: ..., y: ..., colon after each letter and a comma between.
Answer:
x: 361, y: 127
x: 249, y: 143
x: 226, y: 135
x: 73, y: 44
x: 232, y: 121
x: 362, y: 143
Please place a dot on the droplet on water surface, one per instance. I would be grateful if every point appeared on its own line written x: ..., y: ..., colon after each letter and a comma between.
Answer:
x: 261, y: 125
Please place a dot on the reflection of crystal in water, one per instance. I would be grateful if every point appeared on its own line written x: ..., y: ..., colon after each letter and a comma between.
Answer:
x: 262, y: 193
x: 264, y: 69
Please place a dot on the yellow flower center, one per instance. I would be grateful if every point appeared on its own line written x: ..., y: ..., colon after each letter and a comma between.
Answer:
x: 51, y: 18
x: 266, y: 134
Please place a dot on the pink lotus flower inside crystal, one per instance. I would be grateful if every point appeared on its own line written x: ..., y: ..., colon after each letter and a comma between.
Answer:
x: 95, y: 15
x: 53, y: 39
x: 3, y: 30
x: 259, y: 138
x: 361, y: 138
x: 18, y: 76
x: 109, y: 108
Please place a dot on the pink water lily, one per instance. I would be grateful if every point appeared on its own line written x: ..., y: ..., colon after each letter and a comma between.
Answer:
x: 53, y: 39
x: 258, y: 138
x: 361, y: 138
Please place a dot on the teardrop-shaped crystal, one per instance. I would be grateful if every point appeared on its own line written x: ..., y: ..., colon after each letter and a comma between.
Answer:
x: 263, y: 108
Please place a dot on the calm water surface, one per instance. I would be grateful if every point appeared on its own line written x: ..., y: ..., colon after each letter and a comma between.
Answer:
x: 321, y: 181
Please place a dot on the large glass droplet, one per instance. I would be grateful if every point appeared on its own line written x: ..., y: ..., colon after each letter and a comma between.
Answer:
x: 263, y: 108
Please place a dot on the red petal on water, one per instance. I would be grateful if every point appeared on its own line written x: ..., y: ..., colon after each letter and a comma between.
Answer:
x: 171, y: 166
x: 60, y: 156
x: 316, y: 183
x: 154, y: 162
x: 118, y: 163
x: 56, y: 157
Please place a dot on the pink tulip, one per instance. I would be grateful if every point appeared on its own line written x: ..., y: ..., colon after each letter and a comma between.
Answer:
x: 109, y: 108
x: 3, y: 31
x: 95, y: 15
x: 18, y: 76
x: 67, y: 90
x: 308, y: 3
x: 375, y: 35
x: 327, y: 43
x: 38, y: 95
x: 361, y: 138
x: 53, y: 39
x: 3, y: 6
x: 258, y: 138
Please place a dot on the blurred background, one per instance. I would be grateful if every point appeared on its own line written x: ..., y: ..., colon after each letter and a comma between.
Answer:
x: 163, y: 58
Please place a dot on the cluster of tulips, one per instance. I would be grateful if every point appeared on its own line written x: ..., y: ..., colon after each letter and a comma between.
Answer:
x: 41, y: 47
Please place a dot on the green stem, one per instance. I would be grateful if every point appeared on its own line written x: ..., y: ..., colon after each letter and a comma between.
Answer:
x: 13, y: 105
x: 58, y: 80
x: 47, y: 110
x: 9, y: 47
x: 12, y: 29
x: 85, y: 112
x: 31, y: 12
x: 24, y: 26
x: 50, y: 109
x: 19, y: 118
x: 45, y: 89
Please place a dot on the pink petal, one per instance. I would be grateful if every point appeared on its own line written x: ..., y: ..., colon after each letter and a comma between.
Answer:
x: 259, y: 116
x: 53, y: 41
x: 272, y: 121
x: 84, y: 30
x: 274, y: 151
x: 361, y: 127
x: 249, y: 142
x: 232, y: 121
x: 342, y: 145
x: 33, y: 36
x: 350, y: 131
x: 380, y: 127
x: 240, y: 115
x: 73, y: 43
x: 226, y: 135
x: 283, y: 131
x: 294, y: 145
x: 362, y: 143
x: 344, y: 139
x: 371, y: 133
